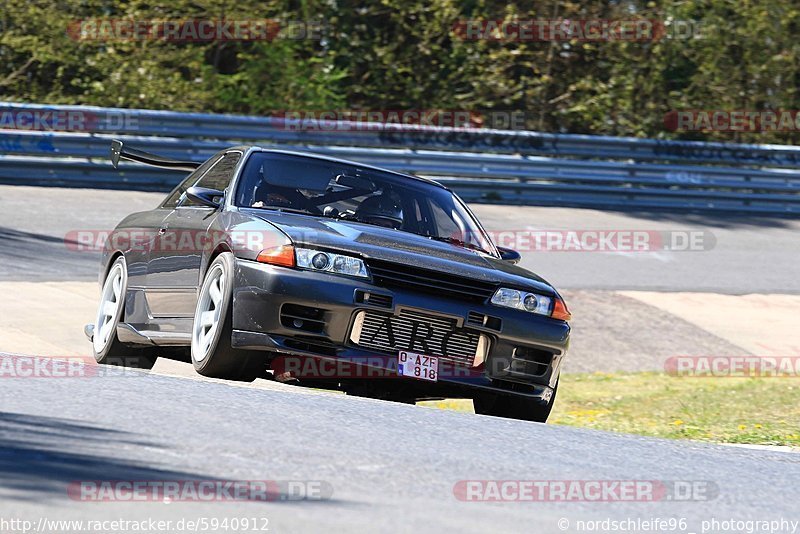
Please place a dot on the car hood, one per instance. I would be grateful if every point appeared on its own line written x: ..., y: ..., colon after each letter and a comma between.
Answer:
x: 375, y: 242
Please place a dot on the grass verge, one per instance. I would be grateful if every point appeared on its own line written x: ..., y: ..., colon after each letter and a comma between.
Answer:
x: 764, y: 411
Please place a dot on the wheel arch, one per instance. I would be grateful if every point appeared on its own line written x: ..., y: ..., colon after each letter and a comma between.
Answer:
x: 111, y: 259
x: 216, y: 251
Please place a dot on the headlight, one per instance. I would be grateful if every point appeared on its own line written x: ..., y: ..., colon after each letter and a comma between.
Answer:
x: 522, y: 300
x: 316, y: 260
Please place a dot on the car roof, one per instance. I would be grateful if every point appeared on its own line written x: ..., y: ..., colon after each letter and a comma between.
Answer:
x: 314, y: 155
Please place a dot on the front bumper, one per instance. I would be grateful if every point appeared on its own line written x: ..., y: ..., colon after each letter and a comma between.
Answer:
x: 263, y: 293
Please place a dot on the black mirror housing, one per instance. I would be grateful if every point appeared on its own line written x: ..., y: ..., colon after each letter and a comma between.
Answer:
x: 509, y: 255
x: 205, y: 196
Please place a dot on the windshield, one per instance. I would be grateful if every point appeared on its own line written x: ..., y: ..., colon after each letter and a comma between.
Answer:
x: 325, y: 188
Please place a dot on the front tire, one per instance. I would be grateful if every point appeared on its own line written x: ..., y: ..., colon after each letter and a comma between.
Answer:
x: 106, y: 346
x: 512, y: 407
x: 212, y: 353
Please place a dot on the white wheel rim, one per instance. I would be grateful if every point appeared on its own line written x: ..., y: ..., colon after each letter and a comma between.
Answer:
x: 108, y: 312
x: 208, y: 314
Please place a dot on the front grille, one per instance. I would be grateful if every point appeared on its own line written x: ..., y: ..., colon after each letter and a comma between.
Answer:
x: 388, y: 274
x: 476, y: 318
x: 375, y: 299
x: 417, y: 332
x: 479, y: 319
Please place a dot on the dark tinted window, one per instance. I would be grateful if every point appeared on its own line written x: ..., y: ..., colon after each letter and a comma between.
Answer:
x: 174, y: 197
x: 347, y: 192
x: 217, y: 177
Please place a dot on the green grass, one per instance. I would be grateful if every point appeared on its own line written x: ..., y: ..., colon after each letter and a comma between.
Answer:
x: 762, y: 411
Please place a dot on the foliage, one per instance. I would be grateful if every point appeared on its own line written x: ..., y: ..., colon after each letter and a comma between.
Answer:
x: 760, y: 411
x: 406, y: 54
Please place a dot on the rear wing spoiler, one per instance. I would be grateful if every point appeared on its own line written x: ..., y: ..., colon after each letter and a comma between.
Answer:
x: 118, y: 151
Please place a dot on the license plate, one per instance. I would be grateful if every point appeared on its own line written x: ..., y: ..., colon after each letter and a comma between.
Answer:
x: 420, y: 366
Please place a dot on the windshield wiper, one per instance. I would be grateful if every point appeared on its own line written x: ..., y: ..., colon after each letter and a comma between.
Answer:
x: 457, y: 242
x: 286, y: 210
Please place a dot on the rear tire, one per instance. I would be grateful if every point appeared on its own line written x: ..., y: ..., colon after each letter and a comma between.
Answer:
x: 512, y: 407
x: 212, y: 353
x: 106, y: 346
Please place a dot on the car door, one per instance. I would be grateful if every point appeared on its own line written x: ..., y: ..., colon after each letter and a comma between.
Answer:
x: 173, y: 272
x: 142, y: 232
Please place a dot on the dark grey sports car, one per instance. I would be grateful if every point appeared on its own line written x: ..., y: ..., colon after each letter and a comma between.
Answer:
x: 317, y: 271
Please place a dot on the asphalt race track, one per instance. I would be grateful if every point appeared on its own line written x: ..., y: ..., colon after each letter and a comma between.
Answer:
x: 387, y: 466
x: 391, y: 467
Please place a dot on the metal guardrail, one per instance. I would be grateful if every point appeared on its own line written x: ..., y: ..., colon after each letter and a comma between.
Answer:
x: 481, y: 165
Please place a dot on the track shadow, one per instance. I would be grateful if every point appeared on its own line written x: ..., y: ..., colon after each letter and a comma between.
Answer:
x: 29, y: 255
x: 40, y: 456
x: 13, y: 236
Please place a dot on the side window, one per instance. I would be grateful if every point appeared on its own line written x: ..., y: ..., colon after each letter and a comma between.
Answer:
x: 174, y: 198
x: 219, y: 176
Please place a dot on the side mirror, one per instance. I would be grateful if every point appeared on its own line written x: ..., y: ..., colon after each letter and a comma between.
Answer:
x: 509, y: 255
x: 205, y: 196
